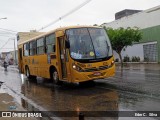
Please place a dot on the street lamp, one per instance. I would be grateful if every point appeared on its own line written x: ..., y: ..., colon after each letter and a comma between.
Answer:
x: 3, y: 18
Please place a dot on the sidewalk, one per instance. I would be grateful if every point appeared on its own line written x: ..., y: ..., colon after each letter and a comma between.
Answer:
x: 7, y: 103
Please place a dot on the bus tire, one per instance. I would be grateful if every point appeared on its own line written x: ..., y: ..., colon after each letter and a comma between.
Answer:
x: 55, y: 78
x: 28, y: 74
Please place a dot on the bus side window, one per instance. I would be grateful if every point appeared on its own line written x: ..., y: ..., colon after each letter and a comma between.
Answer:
x: 26, y: 49
x: 50, y: 43
x: 32, y: 48
x: 40, y: 46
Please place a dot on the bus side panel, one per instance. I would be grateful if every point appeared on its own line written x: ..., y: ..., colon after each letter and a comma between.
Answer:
x: 41, y: 61
x: 20, y: 59
x: 38, y: 65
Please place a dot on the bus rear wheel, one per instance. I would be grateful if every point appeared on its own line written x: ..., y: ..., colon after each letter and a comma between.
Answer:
x: 55, y: 78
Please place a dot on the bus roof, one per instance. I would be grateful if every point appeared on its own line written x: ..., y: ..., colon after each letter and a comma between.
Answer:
x: 52, y: 31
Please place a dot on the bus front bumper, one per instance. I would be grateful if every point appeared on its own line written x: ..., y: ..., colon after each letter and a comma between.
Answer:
x: 87, y: 76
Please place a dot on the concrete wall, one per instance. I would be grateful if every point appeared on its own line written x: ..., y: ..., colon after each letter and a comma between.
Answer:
x: 144, y: 19
x: 135, y: 50
x: 149, y: 23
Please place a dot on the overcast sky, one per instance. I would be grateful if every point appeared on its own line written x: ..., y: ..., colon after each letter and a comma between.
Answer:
x: 25, y: 15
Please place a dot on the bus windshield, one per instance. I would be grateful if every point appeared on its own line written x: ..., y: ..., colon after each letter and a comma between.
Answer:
x: 89, y: 43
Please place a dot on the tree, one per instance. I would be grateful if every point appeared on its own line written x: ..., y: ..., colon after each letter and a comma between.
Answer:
x: 95, y: 25
x: 122, y: 37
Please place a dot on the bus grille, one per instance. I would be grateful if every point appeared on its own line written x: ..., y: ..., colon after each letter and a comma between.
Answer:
x: 90, y: 69
x: 103, y: 67
x: 96, y: 69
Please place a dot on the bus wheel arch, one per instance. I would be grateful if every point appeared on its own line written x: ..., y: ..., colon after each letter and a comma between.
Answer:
x: 27, y: 73
x: 54, y: 76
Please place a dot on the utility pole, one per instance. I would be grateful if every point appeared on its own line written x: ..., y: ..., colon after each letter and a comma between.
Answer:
x: 15, y: 53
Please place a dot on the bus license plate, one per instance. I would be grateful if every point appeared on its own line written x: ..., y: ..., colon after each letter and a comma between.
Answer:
x: 97, y: 73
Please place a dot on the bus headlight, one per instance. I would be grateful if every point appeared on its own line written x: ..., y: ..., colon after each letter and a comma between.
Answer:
x: 79, y: 69
x: 112, y: 63
x: 74, y: 66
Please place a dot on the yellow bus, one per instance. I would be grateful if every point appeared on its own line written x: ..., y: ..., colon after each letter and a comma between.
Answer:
x: 73, y: 54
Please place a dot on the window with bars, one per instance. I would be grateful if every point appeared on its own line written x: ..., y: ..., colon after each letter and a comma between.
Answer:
x: 150, y: 53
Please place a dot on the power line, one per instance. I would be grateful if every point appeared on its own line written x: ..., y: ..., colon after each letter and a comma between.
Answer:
x: 7, y: 48
x: 4, y: 33
x: 7, y: 35
x: 8, y: 30
x: 67, y: 14
x: 5, y: 43
x: 2, y: 40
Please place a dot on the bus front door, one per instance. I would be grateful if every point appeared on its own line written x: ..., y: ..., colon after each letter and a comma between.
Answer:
x: 20, y: 60
x: 62, y: 58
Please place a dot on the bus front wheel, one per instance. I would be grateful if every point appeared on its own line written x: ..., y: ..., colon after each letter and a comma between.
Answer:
x: 55, y: 78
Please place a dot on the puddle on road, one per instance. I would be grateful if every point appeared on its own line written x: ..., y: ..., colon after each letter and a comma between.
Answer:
x: 1, y: 89
x: 68, y: 97
x: 71, y: 97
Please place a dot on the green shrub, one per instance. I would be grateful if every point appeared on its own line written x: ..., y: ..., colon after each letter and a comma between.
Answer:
x: 135, y: 59
x: 126, y: 59
x: 116, y: 60
x: 146, y: 59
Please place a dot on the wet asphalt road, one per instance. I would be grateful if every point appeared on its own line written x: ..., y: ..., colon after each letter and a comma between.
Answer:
x: 134, y: 88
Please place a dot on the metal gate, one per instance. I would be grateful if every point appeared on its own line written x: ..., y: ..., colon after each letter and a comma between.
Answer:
x: 150, y: 53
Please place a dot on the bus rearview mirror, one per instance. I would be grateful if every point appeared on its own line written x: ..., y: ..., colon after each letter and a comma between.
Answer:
x: 54, y: 48
x: 67, y: 45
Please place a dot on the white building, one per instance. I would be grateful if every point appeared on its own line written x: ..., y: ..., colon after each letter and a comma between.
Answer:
x: 148, y: 21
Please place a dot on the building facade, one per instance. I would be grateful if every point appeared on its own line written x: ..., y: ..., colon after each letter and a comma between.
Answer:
x: 10, y: 57
x: 148, y: 21
x: 125, y: 13
x: 23, y: 36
